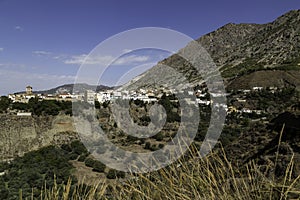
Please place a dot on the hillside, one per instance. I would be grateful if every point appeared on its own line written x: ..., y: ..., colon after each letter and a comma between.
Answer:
x: 241, y: 49
x: 19, y: 135
x: 68, y: 88
x: 257, y: 155
x: 266, y: 78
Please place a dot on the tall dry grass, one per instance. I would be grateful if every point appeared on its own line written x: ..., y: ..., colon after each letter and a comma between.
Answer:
x: 212, y: 177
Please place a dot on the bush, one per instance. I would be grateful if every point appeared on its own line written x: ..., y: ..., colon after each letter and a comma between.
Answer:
x: 95, y: 164
x: 33, y: 170
x: 105, y: 104
x: 4, y: 103
x: 78, y: 147
x: 20, y: 106
x: 66, y: 147
x: 4, y: 193
x: 154, y: 147
x: 159, y: 136
x: 112, y: 174
x: 89, y: 162
x: 147, y: 145
x: 98, y: 166
x: 82, y: 158
x: 97, y: 105
x: 145, y: 118
x: 73, y: 156
x: 131, y: 138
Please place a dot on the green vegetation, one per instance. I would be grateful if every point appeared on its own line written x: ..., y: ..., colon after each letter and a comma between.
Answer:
x: 169, y: 102
x: 44, y: 107
x: 147, y: 145
x: 4, y: 103
x: 159, y: 136
x: 105, y: 104
x: 189, y: 178
x: 49, y: 107
x: 250, y: 65
x: 265, y: 99
x: 32, y: 171
x: 292, y: 64
x: 95, y: 164
x: 112, y: 174
x: 212, y: 177
x: 37, y: 169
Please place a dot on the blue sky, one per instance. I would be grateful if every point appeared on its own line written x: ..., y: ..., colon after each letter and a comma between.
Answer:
x: 42, y: 43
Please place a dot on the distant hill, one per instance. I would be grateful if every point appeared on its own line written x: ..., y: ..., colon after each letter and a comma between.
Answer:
x: 68, y: 88
x: 240, y: 50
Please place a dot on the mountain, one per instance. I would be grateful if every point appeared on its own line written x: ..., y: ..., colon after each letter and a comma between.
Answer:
x: 68, y: 88
x: 245, y: 54
x: 80, y: 88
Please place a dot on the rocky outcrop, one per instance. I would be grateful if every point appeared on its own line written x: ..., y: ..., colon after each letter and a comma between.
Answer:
x: 21, y: 134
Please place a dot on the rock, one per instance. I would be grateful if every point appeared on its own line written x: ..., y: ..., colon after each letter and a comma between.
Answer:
x: 19, y: 135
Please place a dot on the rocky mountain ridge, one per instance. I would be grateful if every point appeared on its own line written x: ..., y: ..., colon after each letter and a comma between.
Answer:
x: 238, y: 50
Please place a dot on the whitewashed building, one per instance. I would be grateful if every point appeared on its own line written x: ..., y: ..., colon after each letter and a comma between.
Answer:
x: 89, y: 96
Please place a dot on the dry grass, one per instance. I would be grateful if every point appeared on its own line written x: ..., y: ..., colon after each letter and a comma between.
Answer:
x: 212, y: 177
x: 80, y: 192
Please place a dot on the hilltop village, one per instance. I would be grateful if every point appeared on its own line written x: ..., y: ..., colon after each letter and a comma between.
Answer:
x: 238, y: 101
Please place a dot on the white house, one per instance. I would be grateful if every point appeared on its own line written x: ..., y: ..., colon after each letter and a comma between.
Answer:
x: 204, y: 102
x: 24, y: 114
x: 257, y: 88
x: 103, y: 96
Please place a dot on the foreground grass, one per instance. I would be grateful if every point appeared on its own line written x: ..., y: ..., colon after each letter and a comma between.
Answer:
x: 212, y: 177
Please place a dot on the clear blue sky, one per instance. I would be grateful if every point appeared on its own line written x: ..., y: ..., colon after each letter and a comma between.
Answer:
x: 43, y: 42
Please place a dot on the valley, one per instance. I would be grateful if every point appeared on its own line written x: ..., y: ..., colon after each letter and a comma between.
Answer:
x: 43, y: 152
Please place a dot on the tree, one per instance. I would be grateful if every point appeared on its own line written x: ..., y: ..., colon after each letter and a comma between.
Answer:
x: 105, y: 104
x: 97, y: 105
x: 4, y: 103
x: 20, y: 106
x: 33, y: 102
x: 165, y: 101
x: 147, y: 145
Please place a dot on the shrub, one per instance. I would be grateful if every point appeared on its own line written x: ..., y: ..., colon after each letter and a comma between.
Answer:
x: 154, y: 147
x: 112, y: 174
x: 82, y: 158
x: 147, y: 145
x: 89, y: 162
x: 4, y: 103
x: 98, y: 166
x: 33, y: 170
x: 73, y: 156
x: 159, y: 136
x: 78, y: 147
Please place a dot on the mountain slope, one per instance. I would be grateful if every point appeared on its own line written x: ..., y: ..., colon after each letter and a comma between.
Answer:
x: 238, y: 50
x: 68, y: 88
